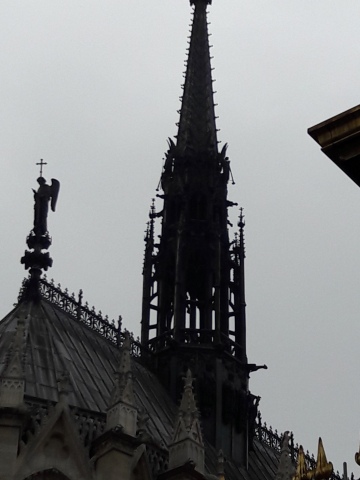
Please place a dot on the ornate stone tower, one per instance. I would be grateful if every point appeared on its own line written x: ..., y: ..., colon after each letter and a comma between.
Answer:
x: 193, y: 313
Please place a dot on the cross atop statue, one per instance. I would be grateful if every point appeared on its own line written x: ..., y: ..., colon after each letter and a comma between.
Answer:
x: 41, y: 163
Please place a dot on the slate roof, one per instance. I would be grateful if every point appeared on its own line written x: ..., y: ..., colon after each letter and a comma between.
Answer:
x: 61, y: 335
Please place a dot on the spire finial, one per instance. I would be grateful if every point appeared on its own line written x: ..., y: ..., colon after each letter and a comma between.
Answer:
x: 41, y: 163
x: 150, y: 226
x: 188, y: 409
x: 241, y: 224
x: 152, y: 216
x: 241, y: 218
x: 39, y: 239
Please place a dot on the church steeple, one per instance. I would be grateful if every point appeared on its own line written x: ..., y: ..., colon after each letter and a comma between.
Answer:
x: 195, y: 281
x: 197, y: 130
x: 193, y: 313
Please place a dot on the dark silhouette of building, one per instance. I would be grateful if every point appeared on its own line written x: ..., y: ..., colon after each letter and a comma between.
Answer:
x: 81, y: 399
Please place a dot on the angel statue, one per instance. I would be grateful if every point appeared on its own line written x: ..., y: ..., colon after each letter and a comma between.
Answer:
x: 42, y: 197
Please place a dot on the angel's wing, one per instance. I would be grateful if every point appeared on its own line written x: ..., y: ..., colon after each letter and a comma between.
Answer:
x: 55, y: 187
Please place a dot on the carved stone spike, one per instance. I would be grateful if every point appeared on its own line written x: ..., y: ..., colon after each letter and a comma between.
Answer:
x: 12, y: 384
x: 220, y: 465
x: 301, y: 468
x: 122, y: 411
x: 323, y: 469
x: 187, y: 444
x: 286, y: 469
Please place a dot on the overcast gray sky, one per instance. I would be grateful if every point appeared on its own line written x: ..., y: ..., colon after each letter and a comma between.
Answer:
x: 93, y: 88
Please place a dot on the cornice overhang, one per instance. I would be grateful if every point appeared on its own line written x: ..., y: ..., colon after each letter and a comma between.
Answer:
x: 339, y: 139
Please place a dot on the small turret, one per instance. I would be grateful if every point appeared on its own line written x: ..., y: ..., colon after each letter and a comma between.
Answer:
x: 12, y: 385
x: 286, y: 468
x: 122, y: 411
x: 187, y: 445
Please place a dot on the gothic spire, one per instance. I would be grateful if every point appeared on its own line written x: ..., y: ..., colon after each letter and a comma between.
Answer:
x: 187, y: 444
x: 197, y: 129
x: 122, y: 410
x: 324, y: 469
x: 193, y: 284
x: 123, y: 390
x: 147, y: 272
x: 241, y: 225
x: 302, y: 469
x: 239, y: 285
x: 188, y: 410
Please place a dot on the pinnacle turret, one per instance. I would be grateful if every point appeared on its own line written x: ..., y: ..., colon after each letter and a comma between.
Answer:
x: 286, y: 468
x: 241, y: 225
x: 12, y: 385
x: 122, y: 411
x: 187, y: 444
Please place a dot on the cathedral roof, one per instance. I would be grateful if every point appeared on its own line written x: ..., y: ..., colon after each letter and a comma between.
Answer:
x: 59, y: 338
x: 62, y: 336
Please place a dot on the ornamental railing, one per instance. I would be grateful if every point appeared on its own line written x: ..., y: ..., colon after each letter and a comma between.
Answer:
x: 80, y: 311
x: 112, y: 331
x: 271, y: 438
x: 194, y: 336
